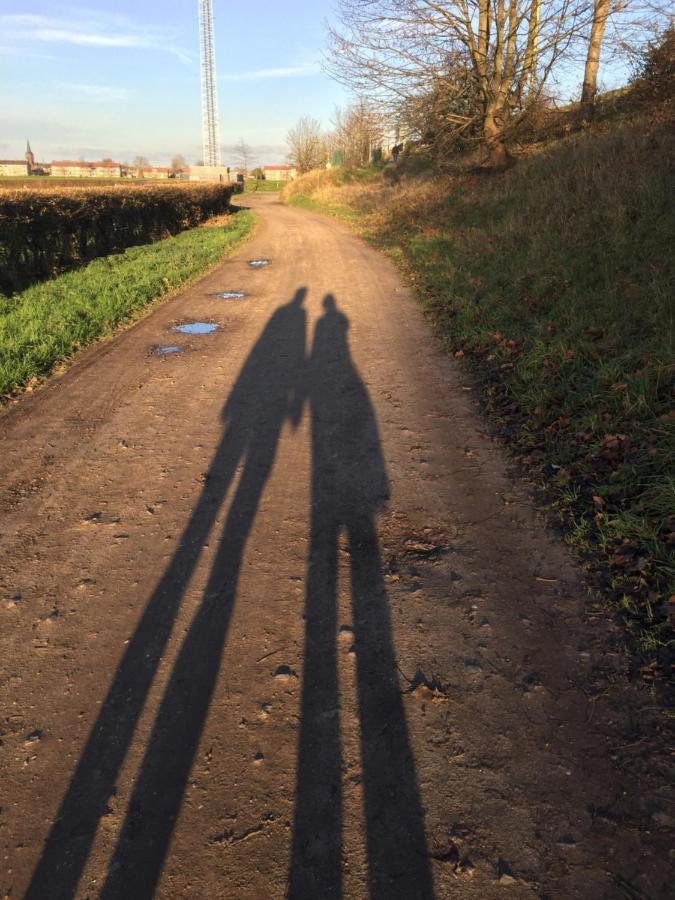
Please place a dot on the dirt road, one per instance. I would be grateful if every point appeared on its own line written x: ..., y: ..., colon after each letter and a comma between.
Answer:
x: 276, y: 622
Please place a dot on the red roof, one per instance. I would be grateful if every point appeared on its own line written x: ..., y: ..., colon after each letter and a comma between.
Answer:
x: 87, y: 165
x: 277, y: 168
x: 13, y: 162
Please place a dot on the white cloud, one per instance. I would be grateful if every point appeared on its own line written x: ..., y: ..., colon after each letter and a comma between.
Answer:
x: 23, y: 52
x: 283, y: 72
x: 102, y: 93
x: 93, y: 30
x: 66, y: 36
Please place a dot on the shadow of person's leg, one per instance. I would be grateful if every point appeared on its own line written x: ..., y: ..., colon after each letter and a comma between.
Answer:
x: 157, y: 797
x: 398, y: 864
x: 316, y: 862
x: 254, y: 411
x: 69, y: 842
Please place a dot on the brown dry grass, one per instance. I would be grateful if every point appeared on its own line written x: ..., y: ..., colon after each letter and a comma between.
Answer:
x: 555, y: 281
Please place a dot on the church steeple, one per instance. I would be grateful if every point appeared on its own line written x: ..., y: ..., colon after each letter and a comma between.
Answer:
x: 30, y: 157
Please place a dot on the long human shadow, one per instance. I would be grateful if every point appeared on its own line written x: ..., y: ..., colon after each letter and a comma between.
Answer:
x: 267, y: 394
x: 349, y: 487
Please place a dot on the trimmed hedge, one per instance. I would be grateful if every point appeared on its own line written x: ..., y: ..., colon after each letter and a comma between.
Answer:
x: 43, y: 232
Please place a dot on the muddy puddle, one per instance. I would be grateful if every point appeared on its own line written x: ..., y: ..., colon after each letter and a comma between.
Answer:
x: 195, y: 328
x: 167, y: 350
x: 258, y: 263
x: 228, y: 295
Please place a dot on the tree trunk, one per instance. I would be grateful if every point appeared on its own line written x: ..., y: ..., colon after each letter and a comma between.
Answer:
x: 498, y: 157
x: 590, y: 87
x: 532, y: 51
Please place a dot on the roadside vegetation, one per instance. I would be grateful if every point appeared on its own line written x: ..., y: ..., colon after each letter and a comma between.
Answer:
x: 553, y: 280
x: 44, y: 232
x: 252, y: 186
x: 50, y: 321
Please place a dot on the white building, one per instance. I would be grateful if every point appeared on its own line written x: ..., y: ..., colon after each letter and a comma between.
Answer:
x: 9, y: 167
x: 207, y: 173
x: 280, y: 173
x: 67, y: 169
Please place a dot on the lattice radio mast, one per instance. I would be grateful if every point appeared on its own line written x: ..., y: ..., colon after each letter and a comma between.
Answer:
x: 210, y: 129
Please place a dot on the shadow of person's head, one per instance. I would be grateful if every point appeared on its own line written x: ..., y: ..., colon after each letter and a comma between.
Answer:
x: 298, y: 297
x: 333, y: 318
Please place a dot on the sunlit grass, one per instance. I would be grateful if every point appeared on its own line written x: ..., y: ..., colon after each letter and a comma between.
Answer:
x: 51, y: 320
x: 555, y: 282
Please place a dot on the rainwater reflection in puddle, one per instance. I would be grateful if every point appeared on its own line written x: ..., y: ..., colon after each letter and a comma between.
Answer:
x: 165, y: 351
x: 196, y: 328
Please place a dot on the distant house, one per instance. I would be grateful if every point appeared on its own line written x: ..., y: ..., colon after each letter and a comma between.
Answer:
x: 280, y: 173
x: 14, y: 167
x: 157, y: 172
x: 104, y: 169
x: 207, y: 173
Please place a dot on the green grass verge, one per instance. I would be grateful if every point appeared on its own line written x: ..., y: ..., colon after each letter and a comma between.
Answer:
x: 48, y: 322
x: 252, y: 187
x: 554, y: 282
x: 338, y: 210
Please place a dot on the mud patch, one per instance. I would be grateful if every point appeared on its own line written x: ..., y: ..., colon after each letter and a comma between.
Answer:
x: 228, y: 295
x: 196, y: 328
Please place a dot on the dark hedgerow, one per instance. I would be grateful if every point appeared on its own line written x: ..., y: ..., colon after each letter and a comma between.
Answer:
x: 43, y: 232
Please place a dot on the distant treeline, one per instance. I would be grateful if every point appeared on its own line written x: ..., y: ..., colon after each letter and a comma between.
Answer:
x: 44, y: 232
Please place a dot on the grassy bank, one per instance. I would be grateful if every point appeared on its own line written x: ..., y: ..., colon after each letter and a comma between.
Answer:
x: 251, y: 186
x: 51, y: 320
x: 554, y: 282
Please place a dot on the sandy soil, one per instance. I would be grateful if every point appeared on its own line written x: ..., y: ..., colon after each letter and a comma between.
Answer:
x: 276, y: 621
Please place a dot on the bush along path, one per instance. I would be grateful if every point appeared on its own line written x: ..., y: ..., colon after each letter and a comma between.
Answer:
x: 554, y: 283
x: 45, y: 231
x: 49, y: 321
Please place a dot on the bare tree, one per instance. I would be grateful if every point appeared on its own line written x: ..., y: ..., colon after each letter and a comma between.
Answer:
x: 601, y: 9
x: 358, y: 131
x: 403, y: 49
x: 243, y: 155
x: 178, y: 163
x: 139, y: 164
x: 306, y: 145
x: 623, y: 28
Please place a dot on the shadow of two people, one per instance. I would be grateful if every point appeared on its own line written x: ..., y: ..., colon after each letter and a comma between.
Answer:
x: 349, y: 487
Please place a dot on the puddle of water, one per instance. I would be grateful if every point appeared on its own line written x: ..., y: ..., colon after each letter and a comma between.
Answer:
x: 258, y: 263
x: 196, y: 328
x: 169, y: 348
x: 229, y: 295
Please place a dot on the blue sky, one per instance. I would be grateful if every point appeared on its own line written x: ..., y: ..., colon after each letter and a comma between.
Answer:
x: 119, y: 79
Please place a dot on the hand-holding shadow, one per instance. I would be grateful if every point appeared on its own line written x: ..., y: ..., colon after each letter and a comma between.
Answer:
x: 349, y: 488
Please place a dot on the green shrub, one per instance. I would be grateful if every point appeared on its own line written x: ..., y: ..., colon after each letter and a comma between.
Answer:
x: 43, y: 232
